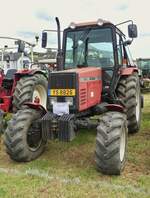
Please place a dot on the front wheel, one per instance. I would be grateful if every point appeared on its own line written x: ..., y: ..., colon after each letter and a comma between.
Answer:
x: 23, y: 137
x: 111, y: 143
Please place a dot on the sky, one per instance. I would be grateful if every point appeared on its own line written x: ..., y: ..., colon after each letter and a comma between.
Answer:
x: 26, y: 18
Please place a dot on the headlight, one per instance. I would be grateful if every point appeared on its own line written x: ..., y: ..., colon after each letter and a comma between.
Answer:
x: 69, y: 100
x: 72, y: 25
x: 53, y: 100
x: 100, y: 22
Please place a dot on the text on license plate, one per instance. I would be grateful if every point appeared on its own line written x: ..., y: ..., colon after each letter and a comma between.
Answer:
x: 62, y: 92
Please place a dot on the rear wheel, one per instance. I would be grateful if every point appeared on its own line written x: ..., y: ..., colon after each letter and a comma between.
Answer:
x: 129, y: 91
x: 30, y: 89
x: 111, y: 143
x: 23, y: 136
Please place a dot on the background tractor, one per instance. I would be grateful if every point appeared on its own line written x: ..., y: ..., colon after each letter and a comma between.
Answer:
x: 144, y: 67
x: 96, y: 78
x: 20, y: 85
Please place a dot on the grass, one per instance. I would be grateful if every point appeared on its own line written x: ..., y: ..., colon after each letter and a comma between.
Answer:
x: 68, y: 169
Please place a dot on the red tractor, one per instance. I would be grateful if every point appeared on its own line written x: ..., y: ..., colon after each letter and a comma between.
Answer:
x: 22, y: 84
x: 17, y: 87
x: 96, y: 77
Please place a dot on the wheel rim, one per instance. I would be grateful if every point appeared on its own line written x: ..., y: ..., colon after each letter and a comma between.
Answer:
x: 34, y: 138
x: 122, y: 143
x: 137, y: 105
x: 39, y: 95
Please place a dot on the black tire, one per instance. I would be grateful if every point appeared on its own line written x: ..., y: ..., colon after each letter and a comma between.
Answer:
x: 129, y: 91
x: 17, y: 139
x: 111, y: 143
x: 25, y: 88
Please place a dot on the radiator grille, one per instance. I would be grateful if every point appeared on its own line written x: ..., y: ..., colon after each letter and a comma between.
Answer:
x: 62, y: 80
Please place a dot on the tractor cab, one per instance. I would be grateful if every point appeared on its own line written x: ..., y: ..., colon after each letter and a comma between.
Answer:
x: 99, y: 44
x: 90, y: 45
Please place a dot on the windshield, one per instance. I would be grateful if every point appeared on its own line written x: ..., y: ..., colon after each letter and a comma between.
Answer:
x: 90, y: 47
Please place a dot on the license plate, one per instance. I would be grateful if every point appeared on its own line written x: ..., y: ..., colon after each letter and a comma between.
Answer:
x: 60, y: 108
x: 62, y: 92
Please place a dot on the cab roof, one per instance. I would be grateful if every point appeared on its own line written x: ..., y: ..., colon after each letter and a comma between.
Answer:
x: 99, y: 22
x: 91, y: 23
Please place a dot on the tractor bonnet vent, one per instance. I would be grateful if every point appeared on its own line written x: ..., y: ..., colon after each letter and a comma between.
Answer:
x: 83, y: 96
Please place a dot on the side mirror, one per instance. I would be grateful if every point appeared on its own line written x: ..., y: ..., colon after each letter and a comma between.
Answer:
x: 132, y: 31
x: 21, y: 46
x: 44, y: 39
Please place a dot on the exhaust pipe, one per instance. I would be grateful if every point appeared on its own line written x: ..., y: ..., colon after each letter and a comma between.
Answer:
x: 59, y: 54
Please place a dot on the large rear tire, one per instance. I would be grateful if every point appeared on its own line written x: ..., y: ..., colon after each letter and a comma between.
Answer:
x: 111, y: 143
x: 29, y: 89
x: 23, y: 138
x: 129, y: 91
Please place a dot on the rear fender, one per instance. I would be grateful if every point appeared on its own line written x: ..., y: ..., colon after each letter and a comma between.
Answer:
x: 128, y: 71
x: 114, y: 107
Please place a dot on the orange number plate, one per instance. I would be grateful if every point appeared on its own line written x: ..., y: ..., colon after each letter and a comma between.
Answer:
x: 62, y: 92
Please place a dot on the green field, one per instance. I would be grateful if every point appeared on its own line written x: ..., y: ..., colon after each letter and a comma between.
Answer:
x: 68, y: 169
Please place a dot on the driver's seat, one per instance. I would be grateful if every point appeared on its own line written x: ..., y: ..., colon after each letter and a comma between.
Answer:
x: 10, y: 74
x: 8, y: 80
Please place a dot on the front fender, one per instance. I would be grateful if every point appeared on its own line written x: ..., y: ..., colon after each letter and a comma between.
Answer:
x: 29, y: 72
x: 35, y: 106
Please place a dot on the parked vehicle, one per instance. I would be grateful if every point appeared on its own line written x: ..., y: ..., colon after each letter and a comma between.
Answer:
x: 95, y: 77
x: 20, y: 86
x: 144, y: 66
